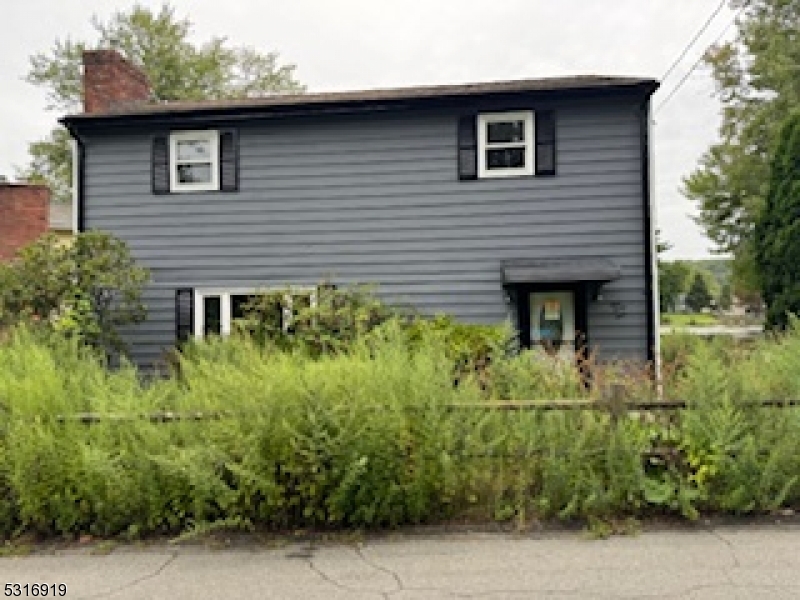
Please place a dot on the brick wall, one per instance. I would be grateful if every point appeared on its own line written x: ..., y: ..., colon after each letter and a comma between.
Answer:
x: 23, y: 216
x: 111, y: 82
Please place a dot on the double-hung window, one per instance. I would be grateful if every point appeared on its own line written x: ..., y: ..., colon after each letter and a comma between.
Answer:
x: 194, y: 161
x: 204, y: 160
x: 505, y: 144
x: 516, y: 143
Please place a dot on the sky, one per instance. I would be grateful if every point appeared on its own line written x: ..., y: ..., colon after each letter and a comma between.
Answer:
x: 361, y: 44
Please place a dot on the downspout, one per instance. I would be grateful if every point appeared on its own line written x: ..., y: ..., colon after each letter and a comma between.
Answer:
x: 78, y: 181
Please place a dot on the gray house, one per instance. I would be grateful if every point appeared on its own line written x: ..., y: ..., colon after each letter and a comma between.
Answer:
x: 527, y: 200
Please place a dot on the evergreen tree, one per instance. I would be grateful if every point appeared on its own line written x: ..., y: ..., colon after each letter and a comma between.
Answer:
x: 777, y: 239
x: 757, y: 81
x: 699, y: 296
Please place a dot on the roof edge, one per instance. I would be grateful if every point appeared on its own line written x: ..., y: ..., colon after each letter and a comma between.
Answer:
x: 377, y: 99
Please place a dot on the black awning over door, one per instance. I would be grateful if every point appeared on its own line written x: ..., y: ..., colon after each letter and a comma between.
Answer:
x: 560, y: 270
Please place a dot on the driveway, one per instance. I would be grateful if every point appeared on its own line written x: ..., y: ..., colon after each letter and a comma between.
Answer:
x: 750, y: 562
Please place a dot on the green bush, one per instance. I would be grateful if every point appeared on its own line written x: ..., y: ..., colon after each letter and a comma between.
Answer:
x: 376, y: 435
x: 88, y: 289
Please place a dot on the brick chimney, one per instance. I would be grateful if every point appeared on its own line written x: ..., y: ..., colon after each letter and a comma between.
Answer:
x: 110, y: 82
x: 23, y: 216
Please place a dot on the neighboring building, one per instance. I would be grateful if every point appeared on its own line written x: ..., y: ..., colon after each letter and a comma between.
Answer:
x: 61, y: 221
x: 527, y: 200
x: 23, y: 216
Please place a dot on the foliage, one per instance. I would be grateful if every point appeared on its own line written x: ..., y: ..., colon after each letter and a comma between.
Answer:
x: 673, y: 280
x: 699, y: 296
x: 679, y: 320
x: 331, y: 324
x: 777, y: 240
x: 377, y: 436
x: 88, y: 289
x: 51, y: 164
x: 756, y: 79
x: 340, y: 317
x: 726, y: 297
x: 178, y: 69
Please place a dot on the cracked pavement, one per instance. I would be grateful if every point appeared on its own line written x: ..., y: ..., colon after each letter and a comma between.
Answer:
x: 744, y: 562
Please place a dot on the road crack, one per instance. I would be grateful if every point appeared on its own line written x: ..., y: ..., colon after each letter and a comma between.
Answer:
x: 372, y: 564
x: 332, y: 581
x: 139, y: 580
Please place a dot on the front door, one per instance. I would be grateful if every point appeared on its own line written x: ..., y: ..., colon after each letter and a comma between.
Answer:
x: 552, y: 322
x: 554, y: 318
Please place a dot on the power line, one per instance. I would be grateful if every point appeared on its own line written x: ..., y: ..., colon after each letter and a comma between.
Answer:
x: 697, y: 35
x: 699, y: 60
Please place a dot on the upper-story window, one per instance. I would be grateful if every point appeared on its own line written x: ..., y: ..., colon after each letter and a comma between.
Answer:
x: 505, y: 144
x: 519, y: 143
x: 194, y: 161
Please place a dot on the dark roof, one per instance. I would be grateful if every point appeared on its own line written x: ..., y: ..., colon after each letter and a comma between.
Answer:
x: 352, y: 99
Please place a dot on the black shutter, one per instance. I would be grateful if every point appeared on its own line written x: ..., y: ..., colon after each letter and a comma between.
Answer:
x: 184, y: 314
x: 228, y: 160
x: 160, y: 165
x: 545, y: 142
x: 467, y: 148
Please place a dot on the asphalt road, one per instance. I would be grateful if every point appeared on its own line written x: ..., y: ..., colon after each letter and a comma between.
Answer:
x: 749, y: 562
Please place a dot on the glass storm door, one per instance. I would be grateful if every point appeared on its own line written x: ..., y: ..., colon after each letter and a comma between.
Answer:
x: 552, y: 323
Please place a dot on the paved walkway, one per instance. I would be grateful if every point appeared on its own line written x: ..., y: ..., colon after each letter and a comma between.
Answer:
x: 749, y: 563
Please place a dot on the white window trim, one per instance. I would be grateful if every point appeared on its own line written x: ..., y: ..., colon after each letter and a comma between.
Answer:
x: 484, y: 119
x: 209, y: 135
x: 225, y: 304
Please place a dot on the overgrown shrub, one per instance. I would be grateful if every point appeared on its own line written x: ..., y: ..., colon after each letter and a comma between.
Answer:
x: 341, y: 317
x: 376, y: 435
x: 87, y: 289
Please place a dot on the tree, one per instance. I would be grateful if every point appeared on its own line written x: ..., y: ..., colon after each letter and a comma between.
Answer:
x: 757, y: 81
x: 90, y: 288
x: 673, y: 278
x: 726, y: 297
x: 699, y: 296
x: 777, y: 239
x: 158, y: 42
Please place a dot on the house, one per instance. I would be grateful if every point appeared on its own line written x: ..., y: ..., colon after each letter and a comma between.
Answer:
x: 23, y: 216
x: 527, y: 200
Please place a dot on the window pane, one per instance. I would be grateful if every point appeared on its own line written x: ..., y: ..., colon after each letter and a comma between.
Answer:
x: 238, y: 304
x: 199, y: 150
x: 505, y: 131
x: 212, y: 315
x: 200, y: 173
x: 506, y: 158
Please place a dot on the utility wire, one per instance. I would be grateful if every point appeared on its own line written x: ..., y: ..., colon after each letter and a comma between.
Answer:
x: 697, y: 35
x: 699, y: 60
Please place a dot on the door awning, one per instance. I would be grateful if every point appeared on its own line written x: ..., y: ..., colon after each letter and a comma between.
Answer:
x: 560, y: 270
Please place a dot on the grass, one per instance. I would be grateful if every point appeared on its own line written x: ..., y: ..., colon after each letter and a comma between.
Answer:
x: 689, y: 320
x: 369, y: 438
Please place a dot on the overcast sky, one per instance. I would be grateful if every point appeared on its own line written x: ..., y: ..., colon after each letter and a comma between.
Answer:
x: 357, y: 44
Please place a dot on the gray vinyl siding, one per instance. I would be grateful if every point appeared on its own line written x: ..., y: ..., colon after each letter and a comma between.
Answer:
x: 376, y: 199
